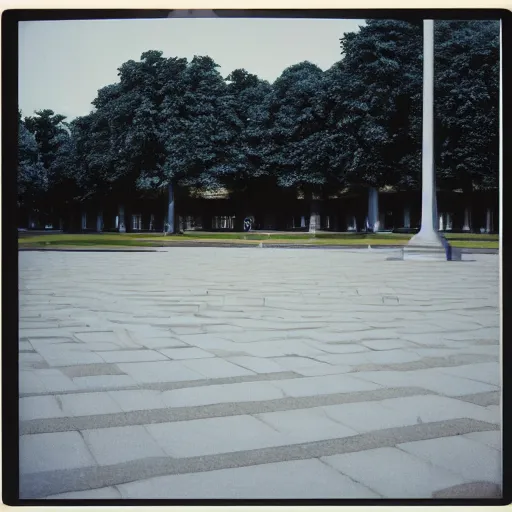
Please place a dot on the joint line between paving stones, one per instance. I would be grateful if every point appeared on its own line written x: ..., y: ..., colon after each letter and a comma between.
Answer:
x: 42, y: 484
x: 169, y: 386
x: 176, y: 414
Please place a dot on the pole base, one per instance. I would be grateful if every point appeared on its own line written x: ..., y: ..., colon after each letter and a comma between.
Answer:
x: 430, y: 247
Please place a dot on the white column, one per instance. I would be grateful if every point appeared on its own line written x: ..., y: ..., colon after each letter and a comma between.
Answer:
x: 381, y: 223
x: 449, y: 222
x: 441, y: 222
x: 99, y: 222
x: 373, y: 208
x: 351, y: 223
x: 312, y: 223
x: 428, y: 235
x: 407, y: 217
x: 488, y: 221
x: 122, y: 225
x: 84, y: 220
x: 467, y: 220
x: 303, y: 221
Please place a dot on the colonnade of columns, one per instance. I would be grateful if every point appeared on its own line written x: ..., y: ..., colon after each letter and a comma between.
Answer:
x: 374, y: 222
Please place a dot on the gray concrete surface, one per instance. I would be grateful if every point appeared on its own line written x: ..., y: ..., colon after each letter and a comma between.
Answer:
x: 227, y: 373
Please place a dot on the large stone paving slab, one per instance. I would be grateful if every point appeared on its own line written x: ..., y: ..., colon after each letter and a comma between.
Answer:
x: 383, y: 471
x: 304, y: 479
x: 471, y: 459
x: 46, y: 452
x: 316, y: 374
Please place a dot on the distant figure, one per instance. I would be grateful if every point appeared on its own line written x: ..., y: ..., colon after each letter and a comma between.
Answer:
x: 247, y: 224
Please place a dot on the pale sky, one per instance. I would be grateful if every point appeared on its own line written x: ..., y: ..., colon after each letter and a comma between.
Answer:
x: 62, y: 64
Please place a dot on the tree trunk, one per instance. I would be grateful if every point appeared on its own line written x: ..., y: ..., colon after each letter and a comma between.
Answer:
x: 84, y: 221
x: 467, y: 219
x: 373, y: 209
x: 488, y: 221
x: 407, y: 217
x: 71, y: 219
x: 313, y: 212
x: 170, y: 210
x: 99, y: 222
x: 351, y: 221
x: 448, y: 226
x: 239, y: 213
x: 335, y: 224
x: 122, y: 224
x: 468, y: 200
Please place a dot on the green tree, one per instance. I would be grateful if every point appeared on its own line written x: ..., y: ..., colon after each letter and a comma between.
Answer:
x: 379, y: 91
x: 46, y: 126
x: 195, y: 129
x: 379, y: 96
x: 467, y: 104
x: 243, y: 170
x: 298, y: 144
x: 31, y: 176
x: 52, y: 137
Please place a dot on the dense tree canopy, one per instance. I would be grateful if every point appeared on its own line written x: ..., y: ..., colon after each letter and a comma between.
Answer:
x: 296, y: 127
x: 179, y: 123
x: 378, y: 97
x: 32, y: 178
x: 467, y: 106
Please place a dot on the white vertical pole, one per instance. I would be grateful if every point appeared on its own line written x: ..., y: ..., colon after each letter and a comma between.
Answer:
x: 500, y: 178
x: 428, y: 234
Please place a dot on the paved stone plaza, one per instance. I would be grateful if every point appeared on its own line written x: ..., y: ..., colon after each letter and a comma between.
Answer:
x: 258, y: 373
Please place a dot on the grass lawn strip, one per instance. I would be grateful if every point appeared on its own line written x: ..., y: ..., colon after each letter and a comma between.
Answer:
x: 152, y: 240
